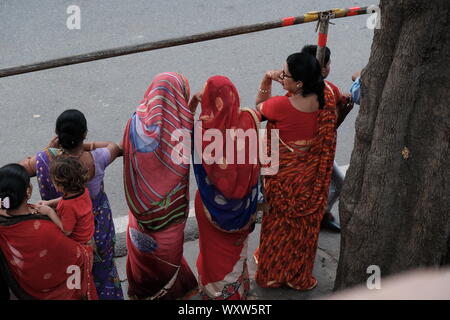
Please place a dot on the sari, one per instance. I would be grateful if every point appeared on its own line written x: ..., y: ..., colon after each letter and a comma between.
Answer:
x: 297, y: 197
x: 39, y: 262
x: 157, y: 192
x: 225, y: 204
x: 106, y: 277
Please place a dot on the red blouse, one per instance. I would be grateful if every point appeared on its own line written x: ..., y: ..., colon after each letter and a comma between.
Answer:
x: 77, y: 217
x: 293, y: 124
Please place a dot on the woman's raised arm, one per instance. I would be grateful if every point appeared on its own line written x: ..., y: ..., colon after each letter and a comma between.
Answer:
x: 29, y: 163
x: 265, y: 88
x: 114, y: 149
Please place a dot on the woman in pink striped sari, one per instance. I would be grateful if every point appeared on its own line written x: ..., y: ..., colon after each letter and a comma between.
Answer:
x: 157, y: 192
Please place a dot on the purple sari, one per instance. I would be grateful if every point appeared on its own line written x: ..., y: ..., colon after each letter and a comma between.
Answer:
x: 105, y: 274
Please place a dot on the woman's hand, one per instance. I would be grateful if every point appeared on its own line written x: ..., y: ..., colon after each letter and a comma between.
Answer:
x: 356, y: 75
x: 195, y: 100
x: 4, y: 214
x: 344, y: 107
x: 50, y: 203
x: 274, y: 75
x: 43, y: 203
x: 44, y: 210
x: 54, y: 142
x: 49, y: 212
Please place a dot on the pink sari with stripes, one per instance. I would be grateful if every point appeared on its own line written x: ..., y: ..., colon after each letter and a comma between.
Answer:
x: 157, y: 192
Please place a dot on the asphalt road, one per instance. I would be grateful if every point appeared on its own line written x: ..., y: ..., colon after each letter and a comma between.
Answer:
x: 108, y: 91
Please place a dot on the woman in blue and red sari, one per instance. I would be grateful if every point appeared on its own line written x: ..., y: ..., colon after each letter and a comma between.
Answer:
x: 71, y: 130
x: 157, y: 192
x: 225, y: 204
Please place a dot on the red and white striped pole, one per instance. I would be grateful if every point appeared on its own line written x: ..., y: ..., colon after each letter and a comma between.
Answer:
x: 324, y: 21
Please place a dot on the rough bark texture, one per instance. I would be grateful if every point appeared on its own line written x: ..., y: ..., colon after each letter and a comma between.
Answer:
x: 395, y: 208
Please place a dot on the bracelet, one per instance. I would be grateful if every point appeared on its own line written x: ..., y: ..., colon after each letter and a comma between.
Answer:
x: 91, y: 147
x: 264, y: 90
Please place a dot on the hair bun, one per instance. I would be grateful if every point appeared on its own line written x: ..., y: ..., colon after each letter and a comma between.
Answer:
x: 68, y: 141
x: 71, y: 128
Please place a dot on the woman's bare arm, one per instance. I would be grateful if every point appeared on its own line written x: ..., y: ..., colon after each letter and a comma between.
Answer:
x: 265, y: 88
x: 29, y: 164
x: 114, y: 149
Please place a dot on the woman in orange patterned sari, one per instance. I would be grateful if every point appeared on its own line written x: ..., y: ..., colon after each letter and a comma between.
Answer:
x: 297, y: 194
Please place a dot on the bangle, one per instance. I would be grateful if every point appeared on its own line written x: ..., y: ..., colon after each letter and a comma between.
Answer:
x: 91, y: 147
x: 264, y: 90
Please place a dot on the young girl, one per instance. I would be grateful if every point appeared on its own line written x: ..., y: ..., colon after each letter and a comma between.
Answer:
x: 74, y: 209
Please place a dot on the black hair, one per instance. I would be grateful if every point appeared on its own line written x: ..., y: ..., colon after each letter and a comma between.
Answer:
x: 305, y: 68
x: 312, y: 50
x: 71, y: 128
x: 14, y: 181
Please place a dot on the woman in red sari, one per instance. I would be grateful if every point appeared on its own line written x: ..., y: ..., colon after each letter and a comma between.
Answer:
x: 225, y: 204
x: 297, y: 194
x: 37, y: 260
x: 157, y: 192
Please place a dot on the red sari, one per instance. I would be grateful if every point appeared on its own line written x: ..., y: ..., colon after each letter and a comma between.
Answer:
x: 223, y: 233
x: 42, y: 260
x: 222, y: 259
x: 297, y: 196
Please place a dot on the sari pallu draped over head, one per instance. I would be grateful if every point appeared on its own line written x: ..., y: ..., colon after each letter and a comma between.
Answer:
x: 40, y: 262
x: 228, y: 190
x: 225, y: 204
x: 157, y: 192
x: 153, y: 180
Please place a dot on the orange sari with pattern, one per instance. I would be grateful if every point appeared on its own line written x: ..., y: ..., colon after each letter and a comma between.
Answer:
x: 297, y: 196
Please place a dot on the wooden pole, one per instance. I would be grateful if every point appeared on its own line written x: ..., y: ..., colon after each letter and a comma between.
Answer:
x: 120, y: 51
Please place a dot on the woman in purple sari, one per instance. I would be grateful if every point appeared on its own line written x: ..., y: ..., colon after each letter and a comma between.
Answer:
x: 71, y: 129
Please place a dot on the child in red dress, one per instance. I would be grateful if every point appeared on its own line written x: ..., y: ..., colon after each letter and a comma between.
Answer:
x: 74, y: 209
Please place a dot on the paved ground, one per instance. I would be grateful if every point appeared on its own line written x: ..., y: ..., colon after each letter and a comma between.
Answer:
x: 324, y: 268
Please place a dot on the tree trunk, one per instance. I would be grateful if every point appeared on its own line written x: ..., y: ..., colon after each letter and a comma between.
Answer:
x: 395, y: 204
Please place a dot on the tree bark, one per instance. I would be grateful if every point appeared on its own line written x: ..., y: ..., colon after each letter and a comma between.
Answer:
x: 395, y: 203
